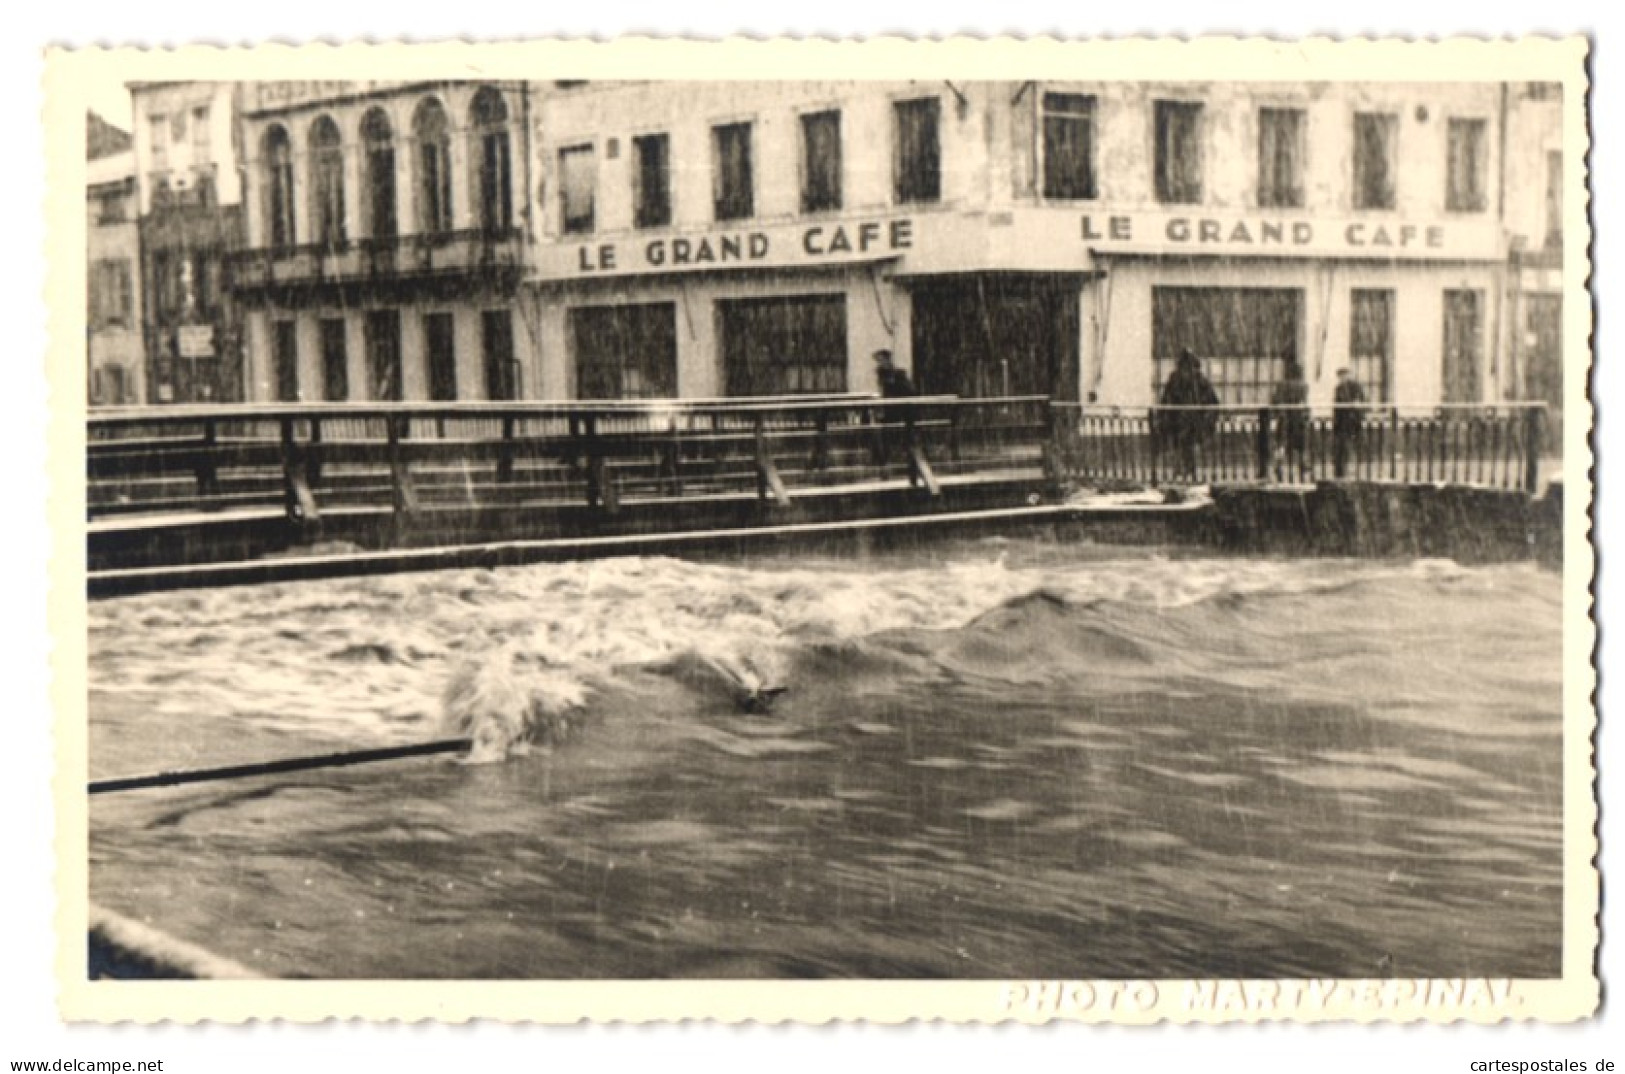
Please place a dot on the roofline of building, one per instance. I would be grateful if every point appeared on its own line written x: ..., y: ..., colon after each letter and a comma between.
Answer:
x: 371, y: 94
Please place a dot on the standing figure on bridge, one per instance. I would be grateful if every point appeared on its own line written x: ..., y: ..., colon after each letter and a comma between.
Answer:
x: 1290, y: 401
x: 1348, y: 418
x: 894, y: 383
x: 1187, y: 424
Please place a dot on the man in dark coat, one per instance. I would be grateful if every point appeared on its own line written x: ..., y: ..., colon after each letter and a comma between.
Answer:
x: 1290, y: 401
x: 1348, y: 418
x: 894, y: 382
x: 1184, y: 427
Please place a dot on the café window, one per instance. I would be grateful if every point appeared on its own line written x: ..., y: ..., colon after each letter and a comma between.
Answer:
x: 432, y: 132
x: 1281, y: 134
x: 279, y: 186
x: 1467, y: 166
x: 1463, y: 342
x: 285, y: 352
x: 1376, y: 160
x: 1069, y: 146
x: 784, y: 346
x: 625, y: 352
x: 734, y: 193
x: 327, y: 182
x: 440, y: 346
x: 1242, y: 335
x: 918, y: 165
x: 820, y: 161
x: 578, y: 180
x: 1371, y: 341
x: 383, y: 336
x: 651, y: 180
x: 335, y: 361
x: 496, y: 346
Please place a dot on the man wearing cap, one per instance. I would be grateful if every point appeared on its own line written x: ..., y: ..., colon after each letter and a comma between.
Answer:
x: 894, y: 382
x: 1348, y: 416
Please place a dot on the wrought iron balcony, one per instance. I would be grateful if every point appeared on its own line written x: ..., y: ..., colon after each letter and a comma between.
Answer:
x: 474, y: 253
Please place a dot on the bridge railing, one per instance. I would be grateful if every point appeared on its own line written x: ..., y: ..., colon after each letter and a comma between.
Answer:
x: 316, y: 457
x: 1487, y: 445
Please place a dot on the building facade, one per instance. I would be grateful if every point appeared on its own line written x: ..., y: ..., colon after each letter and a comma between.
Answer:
x: 190, y: 194
x: 386, y: 239
x: 1067, y: 239
x: 643, y: 240
x: 116, y: 364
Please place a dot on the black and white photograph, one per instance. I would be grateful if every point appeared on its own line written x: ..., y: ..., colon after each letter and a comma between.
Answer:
x: 1112, y: 542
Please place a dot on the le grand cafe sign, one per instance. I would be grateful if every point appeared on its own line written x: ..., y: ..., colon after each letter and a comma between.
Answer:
x: 1038, y: 240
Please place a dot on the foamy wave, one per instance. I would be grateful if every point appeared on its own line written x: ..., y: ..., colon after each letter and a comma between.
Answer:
x: 507, y: 702
x: 515, y: 655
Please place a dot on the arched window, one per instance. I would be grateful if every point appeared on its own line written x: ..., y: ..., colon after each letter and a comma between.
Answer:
x: 432, y: 133
x: 489, y: 120
x: 279, y: 186
x: 379, y: 184
x: 327, y: 182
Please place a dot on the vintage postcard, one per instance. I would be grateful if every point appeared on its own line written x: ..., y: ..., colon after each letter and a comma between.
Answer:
x: 977, y: 530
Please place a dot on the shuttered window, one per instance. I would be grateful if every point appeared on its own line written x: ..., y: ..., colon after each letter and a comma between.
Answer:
x: 1280, y: 157
x: 1376, y: 161
x: 1069, y: 146
x: 578, y: 181
x: 1178, y: 152
x: 821, y: 162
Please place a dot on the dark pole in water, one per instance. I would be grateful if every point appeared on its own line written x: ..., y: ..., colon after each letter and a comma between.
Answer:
x: 286, y: 764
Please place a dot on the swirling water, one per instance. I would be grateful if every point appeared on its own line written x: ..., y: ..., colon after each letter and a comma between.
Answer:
x: 990, y: 759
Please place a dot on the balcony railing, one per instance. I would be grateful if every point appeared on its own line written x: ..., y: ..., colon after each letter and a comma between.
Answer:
x: 470, y: 251
x: 1495, y: 446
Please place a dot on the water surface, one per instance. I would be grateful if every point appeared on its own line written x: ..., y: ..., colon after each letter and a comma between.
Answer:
x: 992, y: 759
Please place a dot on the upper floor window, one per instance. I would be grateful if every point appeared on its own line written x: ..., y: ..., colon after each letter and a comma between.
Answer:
x: 200, y: 134
x: 279, y: 186
x: 1468, y: 163
x: 820, y: 161
x: 1281, y: 134
x: 327, y: 182
x: 379, y: 142
x: 734, y: 193
x: 651, y: 180
x: 918, y: 165
x: 111, y: 294
x: 158, y: 140
x: 1069, y: 146
x: 578, y: 178
x: 1554, y: 199
x: 432, y: 133
x: 489, y: 113
x: 1178, y: 151
x: 1376, y: 160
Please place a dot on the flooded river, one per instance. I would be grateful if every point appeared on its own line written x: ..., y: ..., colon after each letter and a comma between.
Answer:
x: 989, y: 759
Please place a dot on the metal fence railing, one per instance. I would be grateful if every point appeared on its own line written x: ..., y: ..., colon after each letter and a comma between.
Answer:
x: 313, y: 457
x: 1495, y: 446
